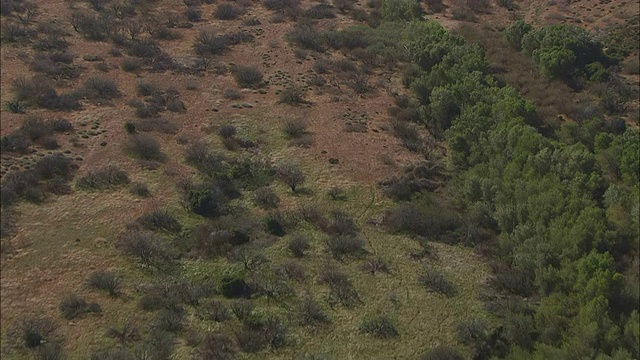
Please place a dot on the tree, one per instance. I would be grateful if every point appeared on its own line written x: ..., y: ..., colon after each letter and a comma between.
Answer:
x: 292, y: 175
x: 516, y: 32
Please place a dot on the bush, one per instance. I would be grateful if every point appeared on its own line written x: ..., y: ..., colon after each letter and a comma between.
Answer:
x: 106, y: 281
x: 442, y: 353
x: 227, y: 131
x: 400, y: 10
x: 127, y: 333
x: 341, y: 224
x: 193, y: 13
x: 380, y: 327
x: 170, y: 319
x: 140, y: 189
x: 33, y: 332
x: 375, y: 265
x: 306, y: 37
x: 247, y: 76
x: 131, y: 65
x: 160, y: 220
x: 310, y: 313
x: 106, y: 177
x: 242, y: 308
x: 207, y: 43
x: 516, y: 32
x: 54, y: 166
x: 340, y: 287
x: 320, y: 11
x: 345, y: 245
x: 98, y: 88
x: 435, y: 281
x: 292, y: 270
x: 228, y: 11
x: 292, y: 95
x: 61, y: 125
x: 145, y: 147
x: 266, y: 198
x: 291, y: 175
x: 294, y: 128
x: 298, y: 244
x: 216, y: 310
x: 73, y: 306
x: 216, y: 346
x: 159, y: 124
x: 148, y: 249
x: 337, y: 193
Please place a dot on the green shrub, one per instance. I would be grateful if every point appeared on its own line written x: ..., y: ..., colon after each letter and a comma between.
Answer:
x: 266, y: 198
x: 228, y: 11
x: 160, y: 220
x: 434, y: 280
x: 306, y: 37
x: 516, y: 32
x: 310, y: 313
x: 292, y: 95
x: 145, y: 147
x: 216, y: 310
x: 342, y: 246
x: 400, y: 10
x: 216, y: 346
x: 74, y: 306
x: 294, y: 128
x: 380, y: 327
x: 341, y: 290
x: 106, y: 177
x: 291, y: 175
x: 33, y: 332
x: 106, y: 281
x: 247, y: 76
x: 320, y: 11
x: 299, y: 244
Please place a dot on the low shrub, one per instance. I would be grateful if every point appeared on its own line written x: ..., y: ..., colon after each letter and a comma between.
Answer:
x: 227, y: 131
x: 131, y: 65
x: 98, y: 88
x: 106, y: 281
x: 33, y: 332
x: 291, y: 175
x: 228, y: 11
x: 158, y: 124
x: 320, y: 11
x: 216, y: 310
x: 380, y: 327
x: 306, y: 37
x: 106, y: 177
x: 342, y: 246
x: 247, y: 76
x: 299, y: 244
x: 266, y: 198
x: 292, y: 95
x: 207, y: 43
x: 61, y: 125
x: 160, y: 220
x: 294, y: 128
x: 193, y: 13
x: 145, y: 147
x: 434, y: 280
x: 125, y: 334
x: 74, y: 306
x: 242, y: 308
x: 374, y: 265
x: 310, y: 313
x: 171, y: 319
x: 216, y: 346
x: 148, y: 248
x: 337, y: 193
x: 442, y: 353
x: 292, y: 270
x: 139, y: 189
x: 341, y: 290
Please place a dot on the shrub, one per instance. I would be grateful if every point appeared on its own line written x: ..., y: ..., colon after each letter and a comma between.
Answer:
x: 298, y: 244
x: 320, y: 11
x: 106, y: 177
x: 294, y: 128
x: 15, y: 142
x: 139, y: 189
x: 33, y: 332
x: 61, y: 125
x: 106, y: 281
x: 170, y: 319
x: 35, y: 128
x: 341, y: 224
x: 159, y: 124
x: 340, y: 287
x: 377, y: 264
x: 216, y: 346
x: 337, y: 193
x: 380, y: 327
x: 442, y: 353
x: 310, y: 313
x: 234, y: 288
x: 472, y: 331
x: 131, y: 65
x: 148, y: 249
x: 292, y: 270
x: 400, y: 10
x: 216, y: 310
x: 160, y: 220
x: 228, y: 11
x: 266, y: 198
x: 434, y: 280
x: 193, y: 13
x: 145, y: 147
x: 227, y: 131
x: 74, y: 306
x: 291, y: 175
x: 306, y: 37
x: 100, y: 88
x: 15, y: 107
x: 242, y: 308
x: 125, y: 334
x: 292, y: 95
x: 344, y: 245
x: 54, y: 166
x: 516, y: 32
x: 247, y: 76
x: 233, y: 94
x: 343, y: 5
x: 207, y: 43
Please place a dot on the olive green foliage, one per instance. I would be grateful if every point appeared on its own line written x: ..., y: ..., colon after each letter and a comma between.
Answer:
x: 400, y: 10
x: 561, y: 51
x: 515, y: 32
x: 565, y: 212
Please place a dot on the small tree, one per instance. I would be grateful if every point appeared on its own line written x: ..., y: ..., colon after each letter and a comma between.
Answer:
x: 292, y: 175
